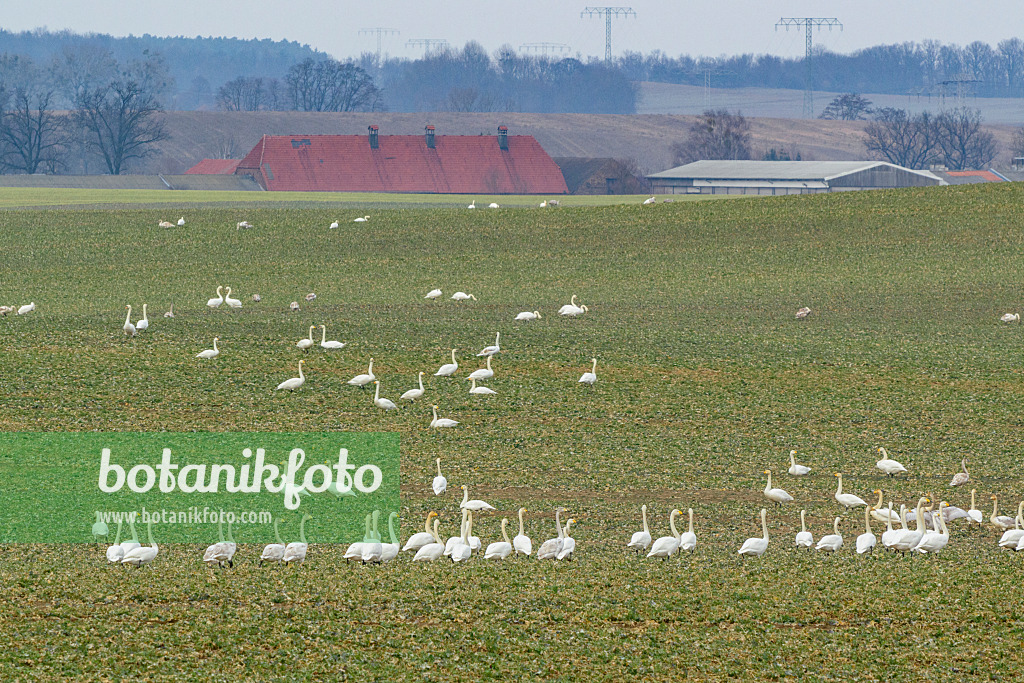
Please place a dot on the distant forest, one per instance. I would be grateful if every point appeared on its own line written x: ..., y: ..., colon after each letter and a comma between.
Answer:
x: 236, y: 74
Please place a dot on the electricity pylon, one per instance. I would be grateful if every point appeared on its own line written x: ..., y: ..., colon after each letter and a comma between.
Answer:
x: 608, y: 13
x: 380, y: 33
x: 809, y: 23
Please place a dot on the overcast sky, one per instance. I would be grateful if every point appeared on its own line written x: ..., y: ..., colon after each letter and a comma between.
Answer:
x: 694, y: 27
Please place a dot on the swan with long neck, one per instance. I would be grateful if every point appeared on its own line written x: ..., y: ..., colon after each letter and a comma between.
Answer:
x: 997, y: 520
x: 568, y: 543
x: 522, y: 543
x: 665, y: 546
x: 777, y: 496
x: 961, y: 478
x: 373, y: 549
x: 831, y: 542
x: 381, y: 403
x: 888, y: 465
x: 550, y: 548
x: 296, y: 550
x: 363, y: 380
x: 293, y: 383
x: 448, y: 369
x: 797, y: 470
x: 890, y: 535
x: 688, y: 540
x: 430, y: 551
x: 414, y: 394
x: 1011, y: 536
x: 589, y: 377
x: 440, y: 483
x: 210, y: 353
x: 804, y: 538
x: 474, y: 505
x: 115, y: 552
x: 484, y: 391
x: 866, y: 541
x: 389, y: 551
x: 935, y: 542
x: 847, y: 500
x: 306, y: 343
x: 144, y: 323
x: 215, y: 549
x: 418, y: 540
x: 909, y: 539
x: 142, y: 555
x: 128, y: 328
x: 755, y: 547
x: 640, y: 539
x: 217, y: 300
x: 499, y: 550
x: 439, y: 423
x: 332, y: 344
x: 492, y: 349
x: 880, y: 513
x: 273, y: 552
x: 463, y: 551
x: 482, y: 373
x: 233, y: 303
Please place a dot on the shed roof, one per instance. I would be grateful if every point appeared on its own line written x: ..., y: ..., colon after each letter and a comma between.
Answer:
x: 774, y: 170
x: 214, y: 167
x: 463, y: 164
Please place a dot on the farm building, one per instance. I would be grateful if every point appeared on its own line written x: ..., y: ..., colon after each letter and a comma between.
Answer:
x: 585, y: 175
x: 428, y: 163
x: 786, y: 177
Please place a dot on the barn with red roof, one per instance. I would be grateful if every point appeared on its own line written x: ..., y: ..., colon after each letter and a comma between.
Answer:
x: 428, y: 163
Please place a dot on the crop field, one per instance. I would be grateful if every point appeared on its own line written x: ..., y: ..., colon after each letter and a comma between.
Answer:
x: 705, y: 380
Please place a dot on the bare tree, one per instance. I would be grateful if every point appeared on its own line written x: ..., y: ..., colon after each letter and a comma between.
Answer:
x: 241, y: 94
x: 1017, y: 143
x: 121, y: 120
x: 902, y: 139
x: 848, y: 107
x: 31, y: 132
x: 715, y: 135
x: 963, y: 143
x: 81, y: 68
x: 329, y: 85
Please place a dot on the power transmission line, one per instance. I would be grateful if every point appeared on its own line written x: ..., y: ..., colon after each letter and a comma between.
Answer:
x: 809, y: 23
x: 608, y: 13
x: 428, y: 44
x: 380, y: 33
x: 545, y: 48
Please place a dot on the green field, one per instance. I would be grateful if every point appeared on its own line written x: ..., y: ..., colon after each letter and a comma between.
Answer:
x: 705, y: 379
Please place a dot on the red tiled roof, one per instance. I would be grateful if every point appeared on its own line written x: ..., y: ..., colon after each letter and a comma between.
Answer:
x: 987, y: 175
x: 214, y: 167
x: 459, y: 164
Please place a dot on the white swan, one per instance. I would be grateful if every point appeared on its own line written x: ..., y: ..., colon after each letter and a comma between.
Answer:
x: 128, y: 328
x: 522, y: 543
x: 454, y: 541
x: 389, y: 551
x: 499, y: 550
x: 27, y: 308
x: 804, y: 538
x: 847, y: 500
x: 210, y: 353
x: 170, y: 313
x: 974, y: 513
x: 115, y: 552
x: 568, y: 543
x: 831, y: 542
x: 866, y: 541
x: 296, y: 550
x: 888, y: 465
x: 908, y: 540
x: 649, y: 200
x: 493, y: 205
x: 127, y: 546
x: 688, y: 540
x: 797, y: 470
x: 430, y: 551
x: 1011, y: 318
x: 999, y: 521
x: 212, y: 551
x: 422, y: 538
x: 383, y: 403
x: 879, y: 513
x: 363, y: 380
x: 803, y: 313
x: 589, y: 377
x: 306, y: 343
x: 462, y: 296
x: 333, y: 225
x: 641, y: 539
x: 528, y: 315
x: 414, y: 394
x: 777, y: 496
x: 233, y: 303
x: 144, y: 323
x: 217, y: 300
x: 165, y: 224
x: 755, y: 547
x: 448, y: 369
x: 293, y: 383
x: 372, y: 548
x: 439, y: 423
x: 890, y: 535
x: 440, y: 484
x: 433, y: 294
x: 142, y: 555
x: 935, y: 542
x: 492, y: 349
x: 550, y: 548
x: 227, y: 552
x: 332, y: 344
x: 665, y: 546
x: 475, y: 505
x: 474, y: 389
x: 361, y: 219
x: 354, y: 551
x: 483, y: 373
x: 570, y: 308
x: 462, y: 551
x: 961, y: 477
x: 181, y: 221
x: 472, y: 205
x: 273, y: 552
x: 1011, y: 536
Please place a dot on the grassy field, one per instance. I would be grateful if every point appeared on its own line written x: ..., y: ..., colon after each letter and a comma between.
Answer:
x: 705, y: 380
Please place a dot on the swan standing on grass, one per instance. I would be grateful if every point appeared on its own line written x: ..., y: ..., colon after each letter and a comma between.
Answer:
x: 433, y: 294
x: 474, y: 505
x: 804, y: 539
x: 418, y: 540
x: 641, y: 539
x: 961, y: 477
x: 462, y: 296
x: 483, y: 373
x: 438, y: 423
x: 589, y: 377
x: 999, y: 521
x: 527, y: 315
x: 974, y: 514
x: 908, y: 540
x: 550, y: 548
x: 273, y: 552
x: 414, y: 394
x: 332, y: 344
x: 144, y: 323
x: 372, y: 549
x: 295, y: 382
x: 27, y: 308
x: 296, y: 550
x: 797, y: 470
x: 181, y: 221
x: 493, y: 205
x: 866, y: 541
x: 128, y: 328
x: 215, y: 549
x: 454, y: 541
x: 1011, y: 536
x: 306, y: 344
x: 389, y: 551
x: 170, y: 313
x: 383, y: 403
x: 440, y: 484
x: 217, y: 300
x: 333, y: 225
x: 568, y: 543
x: 363, y: 380
x: 777, y: 496
x: 474, y: 389
x: 463, y: 551
x: 755, y: 547
x: 210, y: 353
x: 142, y: 555
x: 522, y: 543
x: 472, y: 205
x: 448, y: 369
x: 803, y: 313
x: 361, y: 219
x: 1011, y: 317
x: 831, y: 542
x: 354, y: 551
x: 936, y: 541
x: 879, y: 513
x: 115, y: 552
x: 571, y: 308
x: 492, y: 349
x: 665, y: 546
x: 888, y: 465
x: 233, y: 303
x: 890, y: 535
x: 499, y: 550
x: 127, y: 546
x: 688, y: 541
x: 847, y: 500
x: 430, y: 551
